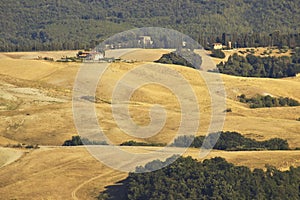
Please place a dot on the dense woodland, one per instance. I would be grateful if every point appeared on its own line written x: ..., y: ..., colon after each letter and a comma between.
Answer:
x: 230, y: 141
x: 257, y: 66
x: 260, y: 101
x: 76, y: 24
x: 186, y: 178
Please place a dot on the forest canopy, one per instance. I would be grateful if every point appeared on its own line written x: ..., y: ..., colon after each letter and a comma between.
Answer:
x: 70, y: 24
x: 186, y: 178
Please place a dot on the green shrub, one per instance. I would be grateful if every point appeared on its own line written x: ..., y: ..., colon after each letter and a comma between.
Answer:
x: 78, y: 141
x: 217, y: 53
x: 134, y: 143
x: 260, y: 101
x: 182, y: 57
x: 228, y: 110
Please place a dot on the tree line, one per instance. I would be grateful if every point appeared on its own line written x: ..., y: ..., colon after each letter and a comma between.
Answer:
x: 257, y: 66
x: 226, y: 141
x: 134, y: 143
x: 230, y: 141
x: 186, y: 178
x: 260, y: 101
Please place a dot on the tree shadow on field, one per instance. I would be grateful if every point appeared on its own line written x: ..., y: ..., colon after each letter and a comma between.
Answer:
x: 118, y: 191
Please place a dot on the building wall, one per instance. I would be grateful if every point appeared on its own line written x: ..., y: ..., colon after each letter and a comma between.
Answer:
x: 218, y: 46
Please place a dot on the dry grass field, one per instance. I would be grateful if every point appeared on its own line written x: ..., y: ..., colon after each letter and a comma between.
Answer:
x: 146, y: 55
x: 36, y: 108
x: 8, y: 156
x: 56, y: 173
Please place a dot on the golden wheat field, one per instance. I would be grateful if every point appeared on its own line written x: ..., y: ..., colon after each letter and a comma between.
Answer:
x: 36, y: 108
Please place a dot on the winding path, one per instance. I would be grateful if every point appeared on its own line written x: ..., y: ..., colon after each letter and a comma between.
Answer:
x: 86, y: 182
x: 9, y: 156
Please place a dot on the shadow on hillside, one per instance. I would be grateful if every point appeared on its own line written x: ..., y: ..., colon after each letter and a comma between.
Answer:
x: 115, y: 192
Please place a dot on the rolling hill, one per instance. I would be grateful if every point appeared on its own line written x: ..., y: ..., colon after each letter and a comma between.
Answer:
x: 42, y: 95
x: 36, y: 108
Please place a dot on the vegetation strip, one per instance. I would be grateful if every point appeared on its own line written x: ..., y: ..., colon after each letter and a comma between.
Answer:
x: 231, y: 141
x: 260, y: 101
x: 256, y: 66
x: 186, y: 178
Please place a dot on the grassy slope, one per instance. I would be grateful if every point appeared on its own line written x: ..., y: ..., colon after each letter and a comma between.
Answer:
x: 8, y: 156
x: 50, y: 122
x: 61, y: 169
x: 55, y: 80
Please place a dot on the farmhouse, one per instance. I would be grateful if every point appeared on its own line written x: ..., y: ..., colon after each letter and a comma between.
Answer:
x: 217, y: 46
x: 145, y: 40
x: 94, y: 55
x: 83, y: 55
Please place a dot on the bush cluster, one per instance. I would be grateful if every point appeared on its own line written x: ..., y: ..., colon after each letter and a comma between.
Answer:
x: 255, y: 66
x: 78, y: 141
x: 260, y: 101
x: 182, y: 57
x: 230, y: 141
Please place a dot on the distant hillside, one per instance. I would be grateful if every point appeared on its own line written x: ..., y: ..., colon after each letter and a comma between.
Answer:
x: 74, y: 24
